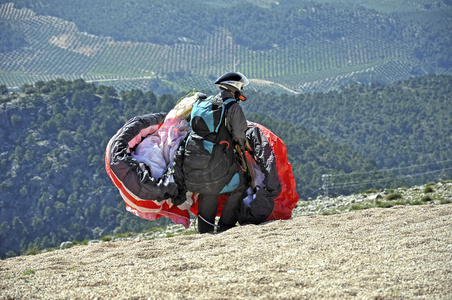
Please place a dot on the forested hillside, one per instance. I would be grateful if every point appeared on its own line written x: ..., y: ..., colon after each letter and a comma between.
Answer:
x: 53, y: 181
x: 54, y: 187
x: 400, y: 125
x: 165, y: 46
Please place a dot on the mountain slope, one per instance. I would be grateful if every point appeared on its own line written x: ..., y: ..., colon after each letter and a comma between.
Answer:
x: 304, y: 47
x: 376, y: 253
x: 53, y: 181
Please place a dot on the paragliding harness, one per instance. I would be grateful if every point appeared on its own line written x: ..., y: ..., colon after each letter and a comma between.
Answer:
x: 207, y: 110
x: 208, y: 121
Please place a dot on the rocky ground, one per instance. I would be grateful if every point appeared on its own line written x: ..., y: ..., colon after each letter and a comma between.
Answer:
x: 432, y: 193
x: 329, y: 249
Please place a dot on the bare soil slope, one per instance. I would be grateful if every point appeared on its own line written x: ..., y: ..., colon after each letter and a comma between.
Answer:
x: 402, y: 252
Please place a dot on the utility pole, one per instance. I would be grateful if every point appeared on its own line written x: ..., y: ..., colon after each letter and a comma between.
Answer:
x: 325, y: 184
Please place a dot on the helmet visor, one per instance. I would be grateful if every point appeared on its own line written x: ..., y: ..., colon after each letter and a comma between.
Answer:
x: 244, y: 80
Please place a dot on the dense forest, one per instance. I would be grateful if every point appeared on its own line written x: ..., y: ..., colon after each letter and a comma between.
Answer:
x: 400, y: 124
x: 53, y: 181
x: 166, y: 22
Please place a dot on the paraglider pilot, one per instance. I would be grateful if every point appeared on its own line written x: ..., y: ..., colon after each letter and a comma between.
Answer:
x: 210, y: 162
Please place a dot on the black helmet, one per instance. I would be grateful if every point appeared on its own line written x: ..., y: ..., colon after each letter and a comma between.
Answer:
x: 232, y: 81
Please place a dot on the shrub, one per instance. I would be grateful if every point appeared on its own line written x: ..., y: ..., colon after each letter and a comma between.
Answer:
x: 359, y: 206
x: 32, y: 251
x: 84, y: 242
x: 428, y: 189
x: 124, y: 235
x: 106, y: 238
x: 446, y: 201
x: 427, y: 198
x: 394, y: 196
x: 385, y: 204
x: 417, y: 202
x: 329, y: 212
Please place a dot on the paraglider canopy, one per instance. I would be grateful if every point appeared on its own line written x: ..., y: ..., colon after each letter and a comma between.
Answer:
x: 140, y: 162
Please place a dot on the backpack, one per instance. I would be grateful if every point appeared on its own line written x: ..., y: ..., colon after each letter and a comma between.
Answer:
x: 209, y: 159
x: 207, y: 116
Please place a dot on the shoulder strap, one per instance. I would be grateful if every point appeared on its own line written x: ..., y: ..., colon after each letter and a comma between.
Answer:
x: 226, y: 104
x: 229, y: 101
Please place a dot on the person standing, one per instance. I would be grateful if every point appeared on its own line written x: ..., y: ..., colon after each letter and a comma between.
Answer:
x: 210, y: 162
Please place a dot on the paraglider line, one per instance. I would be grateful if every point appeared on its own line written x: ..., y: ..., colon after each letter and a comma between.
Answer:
x: 214, y: 225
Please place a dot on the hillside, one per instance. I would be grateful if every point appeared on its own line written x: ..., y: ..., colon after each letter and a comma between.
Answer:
x: 54, y: 187
x: 404, y: 126
x: 51, y: 159
x: 296, y: 46
x: 402, y: 252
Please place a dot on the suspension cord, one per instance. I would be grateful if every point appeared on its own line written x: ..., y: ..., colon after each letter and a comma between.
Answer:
x: 214, y: 225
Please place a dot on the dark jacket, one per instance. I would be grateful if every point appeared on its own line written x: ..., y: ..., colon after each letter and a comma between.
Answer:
x: 235, y: 120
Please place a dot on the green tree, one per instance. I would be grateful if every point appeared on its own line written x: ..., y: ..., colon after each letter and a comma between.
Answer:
x: 61, y: 194
x: 59, y: 207
x: 65, y: 137
x: 37, y: 224
x: 3, y: 90
x: 19, y: 227
x: 4, y: 229
x: 16, y: 120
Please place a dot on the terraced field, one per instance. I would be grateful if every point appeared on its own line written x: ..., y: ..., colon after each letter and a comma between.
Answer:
x: 57, y: 49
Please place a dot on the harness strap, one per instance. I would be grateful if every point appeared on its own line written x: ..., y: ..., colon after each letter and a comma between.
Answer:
x: 224, y: 111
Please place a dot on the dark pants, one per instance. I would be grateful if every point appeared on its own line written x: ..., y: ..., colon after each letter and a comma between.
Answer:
x: 207, y: 209
x: 208, y: 206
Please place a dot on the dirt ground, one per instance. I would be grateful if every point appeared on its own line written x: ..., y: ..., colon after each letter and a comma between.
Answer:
x: 402, y: 252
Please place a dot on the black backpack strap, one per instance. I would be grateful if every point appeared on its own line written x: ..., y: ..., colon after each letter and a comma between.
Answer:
x: 224, y: 137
